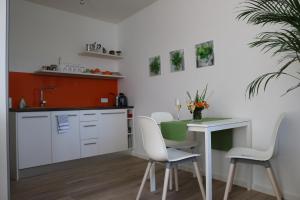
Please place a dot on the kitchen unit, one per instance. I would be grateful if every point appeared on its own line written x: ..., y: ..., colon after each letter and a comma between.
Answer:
x: 36, y: 141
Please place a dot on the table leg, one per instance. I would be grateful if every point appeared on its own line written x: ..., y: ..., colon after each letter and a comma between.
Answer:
x: 208, y: 165
x: 152, y: 178
x: 249, y: 144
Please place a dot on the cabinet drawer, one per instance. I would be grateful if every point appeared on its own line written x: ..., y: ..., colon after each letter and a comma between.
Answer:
x: 89, y: 148
x: 88, y: 115
x: 88, y: 130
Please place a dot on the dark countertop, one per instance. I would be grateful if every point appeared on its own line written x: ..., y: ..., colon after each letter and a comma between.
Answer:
x: 39, y: 109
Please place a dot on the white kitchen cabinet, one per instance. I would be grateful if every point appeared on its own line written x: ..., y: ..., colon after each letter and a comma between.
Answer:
x: 113, y: 131
x: 89, y: 133
x: 65, y: 146
x: 89, y: 148
x: 88, y: 115
x: 89, y: 130
x: 33, y: 139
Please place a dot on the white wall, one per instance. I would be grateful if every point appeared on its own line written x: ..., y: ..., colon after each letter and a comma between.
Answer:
x: 3, y: 103
x: 39, y: 35
x: 175, y: 24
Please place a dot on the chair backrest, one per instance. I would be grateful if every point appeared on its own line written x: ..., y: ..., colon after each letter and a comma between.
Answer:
x: 166, y: 117
x: 152, y: 139
x: 273, y: 141
x: 162, y: 117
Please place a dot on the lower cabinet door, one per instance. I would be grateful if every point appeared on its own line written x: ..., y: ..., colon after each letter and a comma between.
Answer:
x: 89, y: 148
x: 113, y: 131
x: 65, y: 144
x: 33, y: 139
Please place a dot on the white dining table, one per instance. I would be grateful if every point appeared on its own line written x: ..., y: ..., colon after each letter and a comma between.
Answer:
x: 208, y: 128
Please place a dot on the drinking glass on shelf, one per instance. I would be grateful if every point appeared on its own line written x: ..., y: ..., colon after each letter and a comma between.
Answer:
x: 69, y: 68
x: 82, y: 68
x: 178, y: 107
x: 74, y: 68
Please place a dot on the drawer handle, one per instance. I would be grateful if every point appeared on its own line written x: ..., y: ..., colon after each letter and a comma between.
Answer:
x: 31, y: 117
x: 114, y: 113
x: 73, y: 115
x: 92, y: 143
x: 92, y: 125
x: 89, y: 114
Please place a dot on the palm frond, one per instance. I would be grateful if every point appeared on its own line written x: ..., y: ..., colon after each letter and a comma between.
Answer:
x: 291, y: 89
x: 253, y: 87
x: 263, y: 12
x: 281, y: 42
x: 286, y: 65
x: 285, y: 41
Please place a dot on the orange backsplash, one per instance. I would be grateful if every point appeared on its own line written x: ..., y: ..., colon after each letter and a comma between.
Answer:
x: 66, y: 92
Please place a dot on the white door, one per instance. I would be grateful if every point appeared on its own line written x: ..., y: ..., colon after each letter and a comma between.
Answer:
x: 113, y: 131
x: 33, y: 139
x: 65, y: 146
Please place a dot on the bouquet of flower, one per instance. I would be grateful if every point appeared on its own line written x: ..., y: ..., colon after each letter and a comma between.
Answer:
x: 199, y: 103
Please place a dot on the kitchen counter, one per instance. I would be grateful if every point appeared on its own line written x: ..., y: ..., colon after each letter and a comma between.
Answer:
x: 39, y: 109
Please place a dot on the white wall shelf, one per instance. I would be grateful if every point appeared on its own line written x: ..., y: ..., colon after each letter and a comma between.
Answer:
x: 100, y: 55
x: 77, y: 74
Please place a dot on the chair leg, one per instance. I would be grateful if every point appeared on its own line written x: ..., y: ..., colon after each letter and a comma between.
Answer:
x: 193, y: 151
x: 176, y: 178
x: 144, y: 180
x: 199, y: 177
x: 153, y: 165
x: 166, y: 180
x: 152, y: 178
x: 230, y: 178
x: 233, y: 173
x: 171, y: 179
x: 274, y: 183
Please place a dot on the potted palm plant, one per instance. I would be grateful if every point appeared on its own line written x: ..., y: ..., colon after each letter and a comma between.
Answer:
x: 284, y: 42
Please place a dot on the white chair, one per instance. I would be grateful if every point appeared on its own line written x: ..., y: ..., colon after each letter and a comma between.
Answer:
x: 189, y: 143
x: 257, y: 157
x: 155, y: 148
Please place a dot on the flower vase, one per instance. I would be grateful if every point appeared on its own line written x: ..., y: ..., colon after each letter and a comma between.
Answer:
x: 197, y: 114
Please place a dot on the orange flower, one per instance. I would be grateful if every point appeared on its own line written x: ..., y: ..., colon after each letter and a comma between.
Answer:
x: 201, y: 104
x: 199, y: 101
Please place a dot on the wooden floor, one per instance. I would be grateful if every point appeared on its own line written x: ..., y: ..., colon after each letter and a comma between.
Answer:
x: 113, y: 177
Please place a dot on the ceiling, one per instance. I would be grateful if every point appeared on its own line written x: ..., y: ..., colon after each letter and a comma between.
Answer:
x: 113, y: 11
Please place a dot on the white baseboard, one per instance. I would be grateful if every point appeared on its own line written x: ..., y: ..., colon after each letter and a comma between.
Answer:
x: 139, y: 155
x: 238, y: 182
x: 268, y: 190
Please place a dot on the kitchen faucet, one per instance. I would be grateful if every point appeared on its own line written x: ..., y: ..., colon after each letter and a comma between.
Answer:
x: 43, y: 101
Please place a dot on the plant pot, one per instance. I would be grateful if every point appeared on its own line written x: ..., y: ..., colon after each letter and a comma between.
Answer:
x: 197, y: 114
